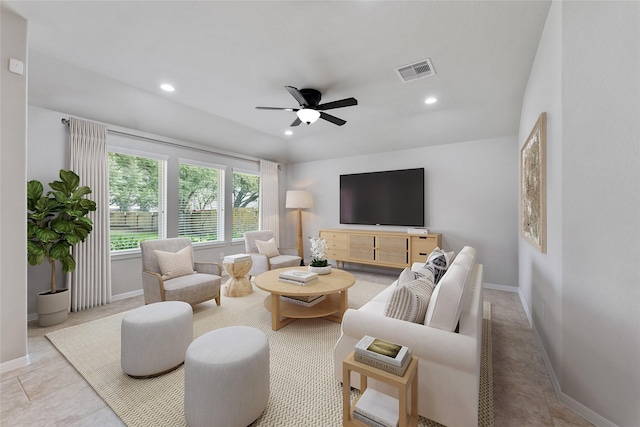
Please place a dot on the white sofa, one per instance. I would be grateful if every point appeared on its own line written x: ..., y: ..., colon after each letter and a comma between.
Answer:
x: 449, y: 361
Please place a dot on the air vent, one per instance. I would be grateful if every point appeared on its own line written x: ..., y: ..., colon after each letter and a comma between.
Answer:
x: 416, y: 71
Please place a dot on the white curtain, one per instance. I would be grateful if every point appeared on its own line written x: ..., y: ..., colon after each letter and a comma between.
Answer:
x: 269, y: 198
x: 90, y: 282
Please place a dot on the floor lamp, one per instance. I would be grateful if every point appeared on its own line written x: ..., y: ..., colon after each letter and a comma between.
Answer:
x: 299, y: 199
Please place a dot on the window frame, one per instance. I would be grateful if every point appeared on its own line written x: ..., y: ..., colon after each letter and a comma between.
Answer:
x: 221, y: 220
x: 162, y: 195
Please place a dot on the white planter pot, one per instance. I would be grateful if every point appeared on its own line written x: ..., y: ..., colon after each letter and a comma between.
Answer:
x: 52, y: 308
x: 320, y: 270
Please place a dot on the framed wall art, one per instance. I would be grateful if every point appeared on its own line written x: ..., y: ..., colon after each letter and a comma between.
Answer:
x: 533, y: 186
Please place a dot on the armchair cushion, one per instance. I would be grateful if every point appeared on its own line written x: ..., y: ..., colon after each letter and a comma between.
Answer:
x: 175, y: 264
x: 268, y: 248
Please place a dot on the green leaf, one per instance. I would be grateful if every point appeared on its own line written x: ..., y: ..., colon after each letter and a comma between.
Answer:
x: 84, y: 220
x: 60, y: 196
x: 34, y: 190
x: 68, y: 264
x: 59, y: 186
x: 60, y: 250
x: 62, y: 226
x: 47, y: 235
x: 35, y: 256
x: 31, y: 229
x: 82, y: 191
x: 70, y: 179
x: 88, y: 205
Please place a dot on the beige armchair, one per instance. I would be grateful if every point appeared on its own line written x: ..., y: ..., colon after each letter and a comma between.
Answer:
x: 286, y: 257
x: 173, y: 276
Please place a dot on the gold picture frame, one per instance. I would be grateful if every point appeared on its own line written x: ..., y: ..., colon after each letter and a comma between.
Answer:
x: 533, y: 186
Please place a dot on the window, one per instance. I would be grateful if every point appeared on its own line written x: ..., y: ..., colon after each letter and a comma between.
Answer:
x: 201, y: 202
x: 246, y: 211
x: 136, y: 200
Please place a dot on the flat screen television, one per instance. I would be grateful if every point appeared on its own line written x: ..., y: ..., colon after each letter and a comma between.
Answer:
x: 383, y: 198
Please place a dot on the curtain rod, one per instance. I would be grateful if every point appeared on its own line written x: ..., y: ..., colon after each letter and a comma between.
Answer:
x: 173, y: 144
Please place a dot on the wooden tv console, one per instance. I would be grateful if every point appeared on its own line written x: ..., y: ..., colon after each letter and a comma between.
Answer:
x: 383, y: 248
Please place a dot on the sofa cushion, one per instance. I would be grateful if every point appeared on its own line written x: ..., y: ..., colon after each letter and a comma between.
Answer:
x: 268, y: 248
x: 445, y: 305
x: 175, y: 264
x: 409, y: 301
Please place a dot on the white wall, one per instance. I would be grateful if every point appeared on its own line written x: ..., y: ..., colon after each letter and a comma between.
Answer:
x: 13, y: 211
x: 589, y: 279
x: 470, y: 196
x: 540, y: 275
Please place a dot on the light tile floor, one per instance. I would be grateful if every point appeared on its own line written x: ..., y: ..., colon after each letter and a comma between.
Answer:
x: 49, y: 392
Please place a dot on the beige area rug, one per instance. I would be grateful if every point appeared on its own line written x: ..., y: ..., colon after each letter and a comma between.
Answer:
x: 303, y: 389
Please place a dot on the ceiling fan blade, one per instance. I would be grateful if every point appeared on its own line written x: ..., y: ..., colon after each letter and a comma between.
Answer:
x: 296, y: 122
x: 333, y: 119
x: 347, y: 102
x: 277, y: 108
x: 297, y: 95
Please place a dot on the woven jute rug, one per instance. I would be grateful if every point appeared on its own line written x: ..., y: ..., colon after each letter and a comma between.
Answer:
x: 303, y: 389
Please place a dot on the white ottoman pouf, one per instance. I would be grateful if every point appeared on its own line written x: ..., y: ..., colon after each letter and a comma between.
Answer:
x: 226, y: 377
x: 154, y: 338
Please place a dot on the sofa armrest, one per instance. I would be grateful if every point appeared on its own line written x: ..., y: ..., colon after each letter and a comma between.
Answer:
x: 288, y: 251
x: 208, y: 268
x: 153, y: 287
x: 438, y: 346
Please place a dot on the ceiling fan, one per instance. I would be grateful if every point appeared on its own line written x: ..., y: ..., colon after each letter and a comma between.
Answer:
x: 310, y: 110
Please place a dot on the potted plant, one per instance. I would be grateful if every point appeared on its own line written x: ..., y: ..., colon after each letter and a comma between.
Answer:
x: 319, y: 263
x: 56, y: 221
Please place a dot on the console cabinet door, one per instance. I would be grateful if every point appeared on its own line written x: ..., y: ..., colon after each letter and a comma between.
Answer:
x: 392, y: 250
x: 362, y: 247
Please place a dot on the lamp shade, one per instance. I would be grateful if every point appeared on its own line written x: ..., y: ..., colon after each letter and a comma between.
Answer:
x: 299, y: 199
x: 308, y: 115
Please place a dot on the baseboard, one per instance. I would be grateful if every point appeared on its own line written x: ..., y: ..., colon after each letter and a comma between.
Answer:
x: 10, y: 365
x: 500, y: 287
x: 126, y: 295
x: 577, y: 407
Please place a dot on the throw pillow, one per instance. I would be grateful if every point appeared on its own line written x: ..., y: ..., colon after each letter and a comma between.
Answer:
x: 438, y: 261
x: 268, y: 248
x: 406, y: 276
x: 410, y: 301
x: 175, y: 264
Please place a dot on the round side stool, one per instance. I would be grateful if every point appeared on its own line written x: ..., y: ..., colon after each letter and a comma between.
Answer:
x: 155, y: 337
x: 226, y: 377
x: 238, y: 285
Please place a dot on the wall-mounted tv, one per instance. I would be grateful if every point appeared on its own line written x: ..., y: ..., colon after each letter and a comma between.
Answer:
x: 383, y: 198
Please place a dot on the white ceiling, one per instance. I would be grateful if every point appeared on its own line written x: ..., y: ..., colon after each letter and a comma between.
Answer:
x: 105, y: 61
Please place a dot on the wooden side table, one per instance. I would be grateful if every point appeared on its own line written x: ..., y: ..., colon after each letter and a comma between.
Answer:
x: 238, y: 284
x: 403, y: 383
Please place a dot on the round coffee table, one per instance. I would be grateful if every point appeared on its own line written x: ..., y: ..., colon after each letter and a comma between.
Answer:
x: 334, y: 285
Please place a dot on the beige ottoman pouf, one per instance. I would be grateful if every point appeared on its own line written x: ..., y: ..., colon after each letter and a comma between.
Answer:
x: 155, y: 337
x: 226, y: 377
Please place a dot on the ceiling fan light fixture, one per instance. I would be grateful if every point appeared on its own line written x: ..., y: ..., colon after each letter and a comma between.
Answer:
x: 308, y: 115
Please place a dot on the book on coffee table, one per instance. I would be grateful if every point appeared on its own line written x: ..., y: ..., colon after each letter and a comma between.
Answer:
x: 304, y: 301
x: 298, y: 276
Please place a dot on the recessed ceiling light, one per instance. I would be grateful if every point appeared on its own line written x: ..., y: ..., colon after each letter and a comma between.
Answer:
x: 288, y: 132
x: 430, y: 100
x: 167, y: 87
